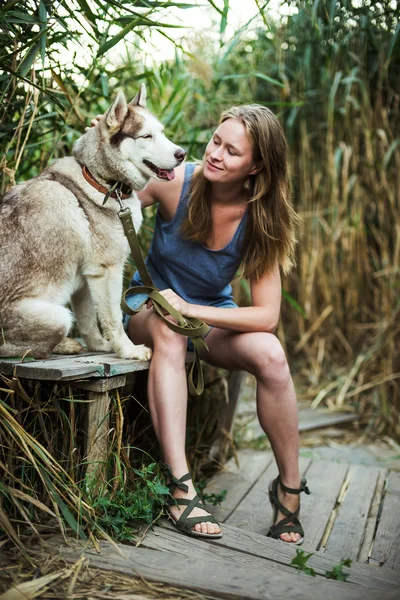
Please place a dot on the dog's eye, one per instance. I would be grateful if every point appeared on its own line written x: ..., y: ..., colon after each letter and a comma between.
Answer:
x: 146, y: 137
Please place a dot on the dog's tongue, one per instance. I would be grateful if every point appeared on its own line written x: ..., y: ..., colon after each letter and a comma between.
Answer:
x: 165, y: 174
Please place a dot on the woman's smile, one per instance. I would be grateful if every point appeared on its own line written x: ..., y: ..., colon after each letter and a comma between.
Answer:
x: 211, y: 166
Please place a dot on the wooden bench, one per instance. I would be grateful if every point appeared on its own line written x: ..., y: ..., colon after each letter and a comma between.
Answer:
x: 97, y: 374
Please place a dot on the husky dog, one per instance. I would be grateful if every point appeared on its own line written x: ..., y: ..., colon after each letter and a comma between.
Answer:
x: 59, y: 245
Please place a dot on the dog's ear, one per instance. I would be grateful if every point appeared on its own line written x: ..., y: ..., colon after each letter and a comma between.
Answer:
x: 117, y: 112
x: 140, y: 98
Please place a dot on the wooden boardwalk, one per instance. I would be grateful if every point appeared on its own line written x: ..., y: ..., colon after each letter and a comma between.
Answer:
x: 353, y: 512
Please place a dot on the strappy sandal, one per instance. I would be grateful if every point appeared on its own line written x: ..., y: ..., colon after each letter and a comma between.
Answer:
x: 291, y: 517
x: 186, y: 523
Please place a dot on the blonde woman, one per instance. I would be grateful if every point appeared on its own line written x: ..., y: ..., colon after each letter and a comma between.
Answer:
x: 232, y: 209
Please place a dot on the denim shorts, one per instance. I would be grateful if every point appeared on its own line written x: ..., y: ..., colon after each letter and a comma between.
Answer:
x: 134, y: 302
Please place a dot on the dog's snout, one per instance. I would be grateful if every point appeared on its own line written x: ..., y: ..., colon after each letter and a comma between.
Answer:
x: 180, y: 154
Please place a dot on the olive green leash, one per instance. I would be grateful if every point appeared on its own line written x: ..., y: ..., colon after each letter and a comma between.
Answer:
x: 188, y: 326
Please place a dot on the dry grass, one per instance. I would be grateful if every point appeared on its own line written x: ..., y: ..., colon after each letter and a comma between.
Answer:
x: 46, y: 576
x: 348, y: 276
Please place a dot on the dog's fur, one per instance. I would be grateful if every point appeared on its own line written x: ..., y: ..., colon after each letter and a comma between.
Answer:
x: 60, y: 245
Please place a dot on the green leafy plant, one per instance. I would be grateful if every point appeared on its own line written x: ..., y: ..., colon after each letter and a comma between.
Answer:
x: 214, y: 499
x: 300, y: 562
x: 337, y: 571
x: 301, y: 559
x: 120, y: 511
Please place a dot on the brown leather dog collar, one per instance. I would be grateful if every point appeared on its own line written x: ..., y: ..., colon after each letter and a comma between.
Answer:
x: 125, y: 192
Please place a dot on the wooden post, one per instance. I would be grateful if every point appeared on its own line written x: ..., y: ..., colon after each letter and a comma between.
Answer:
x: 98, y: 424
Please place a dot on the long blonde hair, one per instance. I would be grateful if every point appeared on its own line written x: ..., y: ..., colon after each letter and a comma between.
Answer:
x: 271, y: 223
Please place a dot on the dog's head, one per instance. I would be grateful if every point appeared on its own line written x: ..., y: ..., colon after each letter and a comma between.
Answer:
x: 131, y: 143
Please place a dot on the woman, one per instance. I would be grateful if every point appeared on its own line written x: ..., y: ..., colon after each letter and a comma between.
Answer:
x: 230, y: 210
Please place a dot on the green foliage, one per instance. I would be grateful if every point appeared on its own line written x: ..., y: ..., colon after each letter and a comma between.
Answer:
x: 300, y: 562
x: 293, y: 302
x: 60, y: 63
x: 301, y: 559
x: 337, y: 571
x: 213, y: 499
x: 119, y: 512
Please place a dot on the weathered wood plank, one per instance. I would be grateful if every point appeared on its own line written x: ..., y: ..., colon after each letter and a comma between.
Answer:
x: 325, y: 480
x: 228, y: 581
x: 107, y: 365
x: 51, y: 370
x: 281, y: 553
x: 237, y: 480
x: 14, y: 360
x: 310, y: 418
x: 347, y: 532
x: 113, y: 365
x: 171, y: 540
x: 100, y: 384
x: 254, y: 512
x: 386, y: 546
x: 393, y: 483
x: 370, y: 528
x: 72, y: 367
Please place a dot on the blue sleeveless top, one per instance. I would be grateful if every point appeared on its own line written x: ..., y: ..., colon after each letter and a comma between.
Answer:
x: 196, y: 273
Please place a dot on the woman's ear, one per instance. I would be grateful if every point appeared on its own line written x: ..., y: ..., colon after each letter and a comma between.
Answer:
x: 256, y: 168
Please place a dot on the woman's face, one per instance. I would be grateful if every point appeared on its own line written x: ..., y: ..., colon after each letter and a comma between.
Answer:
x: 229, y: 155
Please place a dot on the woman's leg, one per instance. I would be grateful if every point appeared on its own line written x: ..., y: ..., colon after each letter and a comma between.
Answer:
x: 262, y: 355
x: 167, y: 393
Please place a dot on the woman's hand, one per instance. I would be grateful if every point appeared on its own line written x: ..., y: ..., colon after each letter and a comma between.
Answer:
x: 94, y: 122
x: 175, y: 301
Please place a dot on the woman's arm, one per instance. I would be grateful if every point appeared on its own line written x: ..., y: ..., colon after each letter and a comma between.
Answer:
x: 150, y: 195
x: 263, y: 315
x: 164, y: 193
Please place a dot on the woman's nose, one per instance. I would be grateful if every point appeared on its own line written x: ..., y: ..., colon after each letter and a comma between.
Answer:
x: 217, y: 153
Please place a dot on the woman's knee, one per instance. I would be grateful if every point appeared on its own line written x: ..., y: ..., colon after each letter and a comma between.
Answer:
x: 167, y: 341
x: 148, y: 328
x: 270, y: 361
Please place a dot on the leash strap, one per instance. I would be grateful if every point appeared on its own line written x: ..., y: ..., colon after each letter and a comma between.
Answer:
x: 188, y: 326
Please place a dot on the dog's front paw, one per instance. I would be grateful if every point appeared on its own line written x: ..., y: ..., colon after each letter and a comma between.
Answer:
x: 68, y: 346
x: 134, y: 352
x: 142, y: 352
